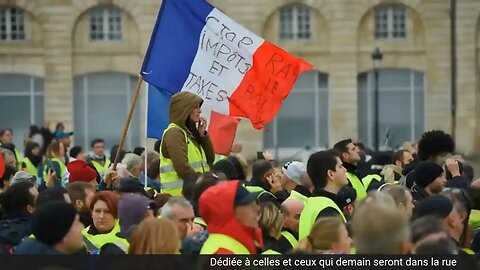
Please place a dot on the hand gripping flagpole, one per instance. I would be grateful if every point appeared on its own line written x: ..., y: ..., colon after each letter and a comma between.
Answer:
x: 129, y: 119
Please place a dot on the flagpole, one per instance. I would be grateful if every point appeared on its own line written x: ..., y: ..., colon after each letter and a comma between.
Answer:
x: 129, y: 120
x: 146, y: 136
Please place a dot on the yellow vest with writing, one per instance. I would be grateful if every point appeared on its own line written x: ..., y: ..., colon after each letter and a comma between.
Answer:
x: 357, y: 185
x: 313, y: 207
x: 31, y: 169
x: 215, y: 242
x: 101, y: 239
x: 170, y: 181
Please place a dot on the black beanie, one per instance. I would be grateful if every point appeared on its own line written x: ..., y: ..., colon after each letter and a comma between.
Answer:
x: 426, y: 172
x: 438, y: 205
x: 52, y: 221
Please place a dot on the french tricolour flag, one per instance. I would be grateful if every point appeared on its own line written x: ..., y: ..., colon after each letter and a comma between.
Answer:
x: 194, y: 47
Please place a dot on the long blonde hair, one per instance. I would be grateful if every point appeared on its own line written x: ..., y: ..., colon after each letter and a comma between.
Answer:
x: 155, y: 236
x: 271, y: 220
x: 325, y: 232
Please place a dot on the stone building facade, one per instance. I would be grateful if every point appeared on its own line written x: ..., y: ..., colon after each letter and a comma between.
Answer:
x: 76, y: 55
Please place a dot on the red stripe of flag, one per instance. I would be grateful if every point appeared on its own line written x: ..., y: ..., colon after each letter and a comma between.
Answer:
x: 264, y: 87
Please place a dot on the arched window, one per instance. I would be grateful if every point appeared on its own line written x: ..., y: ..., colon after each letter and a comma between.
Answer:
x: 106, y: 24
x: 12, y: 24
x: 302, y: 122
x: 401, y: 106
x: 102, y: 102
x: 295, y: 23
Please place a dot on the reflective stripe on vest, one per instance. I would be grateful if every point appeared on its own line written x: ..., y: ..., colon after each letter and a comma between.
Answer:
x: 260, y: 190
x: 357, y: 185
x: 290, y: 238
x: 170, y: 181
x: 101, y: 169
x: 171, y: 185
x: 297, y: 195
x: 61, y: 164
x: 313, y: 207
x: 367, y: 180
x: 194, y: 165
x: 215, y: 242
x: 101, y: 239
x: 31, y: 169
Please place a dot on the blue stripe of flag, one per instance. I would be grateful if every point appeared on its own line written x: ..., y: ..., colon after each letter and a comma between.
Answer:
x: 174, y: 43
x: 158, y: 102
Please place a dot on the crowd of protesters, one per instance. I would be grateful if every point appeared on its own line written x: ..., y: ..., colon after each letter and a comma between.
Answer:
x: 58, y: 199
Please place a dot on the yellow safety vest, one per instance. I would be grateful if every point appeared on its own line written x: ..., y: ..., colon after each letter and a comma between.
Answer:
x: 215, y: 242
x: 199, y: 221
x: 171, y: 183
x: 260, y: 190
x: 297, y: 195
x: 313, y: 207
x: 357, y: 185
x: 290, y: 238
x: 63, y: 168
x: 468, y: 251
x: 367, y: 180
x: 31, y: 169
x: 101, y: 169
x: 19, y: 161
x: 271, y: 252
x: 474, y: 220
x: 101, y: 239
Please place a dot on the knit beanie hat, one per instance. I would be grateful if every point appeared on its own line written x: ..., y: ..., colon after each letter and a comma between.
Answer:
x: 438, y: 205
x: 426, y: 172
x: 52, y: 221
x: 80, y: 172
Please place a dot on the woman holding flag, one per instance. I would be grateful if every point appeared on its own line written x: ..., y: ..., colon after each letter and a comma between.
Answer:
x: 186, y: 149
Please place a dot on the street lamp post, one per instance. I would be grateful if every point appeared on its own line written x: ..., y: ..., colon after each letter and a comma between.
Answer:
x: 377, y: 57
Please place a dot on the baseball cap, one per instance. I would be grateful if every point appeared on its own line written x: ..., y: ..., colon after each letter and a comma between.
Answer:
x: 294, y: 170
x: 244, y: 197
x: 62, y: 134
x: 22, y: 176
x: 347, y: 195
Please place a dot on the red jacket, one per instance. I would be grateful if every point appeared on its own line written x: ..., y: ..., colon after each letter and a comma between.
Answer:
x: 216, y: 207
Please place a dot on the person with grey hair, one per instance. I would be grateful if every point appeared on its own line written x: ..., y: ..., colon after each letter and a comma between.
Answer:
x: 9, y: 157
x: 133, y: 164
x: 180, y: 212
x: 380, y: 228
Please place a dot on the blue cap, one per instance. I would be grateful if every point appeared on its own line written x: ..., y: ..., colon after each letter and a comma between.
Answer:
x: 244, y: 197
x: 62, y: 134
